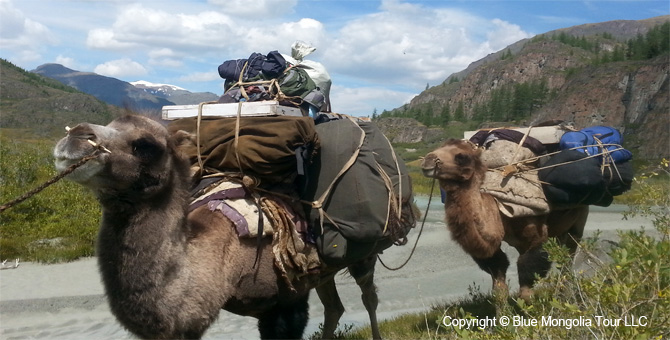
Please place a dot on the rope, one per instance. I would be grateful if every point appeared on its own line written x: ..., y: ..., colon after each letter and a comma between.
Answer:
x: 53, y: 180
x: 273, y: 88
x: 532, y: 159
x: 197, y: 134
x: 423, y: 222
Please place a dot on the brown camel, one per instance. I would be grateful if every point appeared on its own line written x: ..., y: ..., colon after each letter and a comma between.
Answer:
x: 167, y: 273
x: 478, y: 226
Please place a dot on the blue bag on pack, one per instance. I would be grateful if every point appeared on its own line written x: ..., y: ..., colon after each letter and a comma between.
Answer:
x: 584, y: 141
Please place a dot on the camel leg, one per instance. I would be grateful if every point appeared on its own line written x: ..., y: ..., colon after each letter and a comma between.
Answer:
x: 285, y: 321
x: 332, y: 307
x: 496, y: 266
x: 534, y: 261
x: 364, y: 273
x: 575, y: 233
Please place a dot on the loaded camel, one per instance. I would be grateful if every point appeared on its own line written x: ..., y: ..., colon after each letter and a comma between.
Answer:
x: 166, y: 272
x: 479, y: 228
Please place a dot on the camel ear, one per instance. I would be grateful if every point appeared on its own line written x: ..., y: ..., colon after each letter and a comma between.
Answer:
x: 183, y: 138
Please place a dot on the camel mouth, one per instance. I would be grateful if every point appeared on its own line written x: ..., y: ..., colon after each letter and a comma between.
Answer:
x: 70, y: 150
x: 429, y: 172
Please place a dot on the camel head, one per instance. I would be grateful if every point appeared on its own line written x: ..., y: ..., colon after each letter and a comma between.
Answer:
x: 455, y: 161
x: 138, y: 158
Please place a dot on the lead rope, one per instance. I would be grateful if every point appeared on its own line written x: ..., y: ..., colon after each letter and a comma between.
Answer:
x: 423, y: 222
x: 56, y: 178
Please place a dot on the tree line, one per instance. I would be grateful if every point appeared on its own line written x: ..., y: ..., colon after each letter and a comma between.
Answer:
x: 516, y: 102
x: 650, y: 45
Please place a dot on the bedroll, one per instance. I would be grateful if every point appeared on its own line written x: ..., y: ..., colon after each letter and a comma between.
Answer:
x: 362, y: 192
x: 272, y: 149
x: 603, y: 141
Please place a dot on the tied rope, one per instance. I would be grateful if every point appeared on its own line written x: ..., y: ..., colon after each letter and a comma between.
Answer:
x: 55, y: 179
x: 423, y: 222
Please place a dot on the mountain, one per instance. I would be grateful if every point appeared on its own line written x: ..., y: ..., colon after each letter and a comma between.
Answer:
x: 613, y: 73
x: 107, y: 89
x: 45, y: 106
x: 174, y: 93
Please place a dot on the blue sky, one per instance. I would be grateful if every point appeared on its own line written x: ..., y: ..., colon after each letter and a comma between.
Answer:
x: 379, y: 53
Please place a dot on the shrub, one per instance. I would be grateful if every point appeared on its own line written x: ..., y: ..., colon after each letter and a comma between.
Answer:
x: 59, y: 223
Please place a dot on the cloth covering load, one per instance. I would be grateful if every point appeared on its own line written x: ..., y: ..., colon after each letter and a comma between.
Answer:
x: 277, y: 175
x: 589, y: 167
x: 362, y: 191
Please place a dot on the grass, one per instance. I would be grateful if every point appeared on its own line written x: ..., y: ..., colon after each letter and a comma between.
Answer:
x: 59, y: 224
x: 624, y: 295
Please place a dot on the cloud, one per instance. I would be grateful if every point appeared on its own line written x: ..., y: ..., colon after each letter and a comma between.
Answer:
x: 504, y: 34
x: 410, y: 44
x: 105, y: 39
x: 138, y: 27
x: 363, y: 101
x: 280, y: 37
x: 164, y: 57
x: 120, y: 68
x: 17, y: 32
x: 67, y: 62
x: 257, y: 8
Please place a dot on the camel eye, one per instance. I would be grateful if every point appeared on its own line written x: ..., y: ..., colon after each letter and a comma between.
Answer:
x: 462, y: 159
x: 147, y: 149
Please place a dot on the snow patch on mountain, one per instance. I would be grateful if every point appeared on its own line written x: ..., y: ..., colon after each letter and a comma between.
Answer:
x: 146, y: 84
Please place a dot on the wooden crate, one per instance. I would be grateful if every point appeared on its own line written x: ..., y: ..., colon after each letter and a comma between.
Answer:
x: 249, y: 109
x: 545, y: 134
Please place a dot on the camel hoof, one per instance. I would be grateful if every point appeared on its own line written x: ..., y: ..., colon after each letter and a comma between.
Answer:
x: 526, y: 294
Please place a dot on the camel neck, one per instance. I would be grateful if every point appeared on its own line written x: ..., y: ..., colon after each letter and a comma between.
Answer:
x: 141, y: 245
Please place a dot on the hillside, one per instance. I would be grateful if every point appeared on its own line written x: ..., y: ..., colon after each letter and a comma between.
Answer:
x: 588, y: 75
x: 45, y: 106
x: 110, y: 90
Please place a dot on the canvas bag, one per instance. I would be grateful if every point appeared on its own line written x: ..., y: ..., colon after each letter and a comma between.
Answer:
x: 269, y: 148
x: 356, y: 204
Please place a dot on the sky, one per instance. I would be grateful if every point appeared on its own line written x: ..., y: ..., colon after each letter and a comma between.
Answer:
x: 379, y: 54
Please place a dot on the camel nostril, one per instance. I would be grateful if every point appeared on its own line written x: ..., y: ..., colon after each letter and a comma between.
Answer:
x: 81, y: 131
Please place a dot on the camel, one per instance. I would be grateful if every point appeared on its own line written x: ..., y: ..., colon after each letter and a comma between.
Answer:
x: 477, y: 225
x: 167, y: 273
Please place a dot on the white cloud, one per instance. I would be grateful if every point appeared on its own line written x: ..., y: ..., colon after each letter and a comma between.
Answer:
x: 120, y: 68
x: 411, y: 44
x: 505, y: 34
x: 363, y: 101
x: 282, y: 36
x: 256, y: 8
x: 67, y: 62
x: 19, y: 33
x: 105, y: 39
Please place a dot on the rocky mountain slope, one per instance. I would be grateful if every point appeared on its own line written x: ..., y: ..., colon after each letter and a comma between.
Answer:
x: 580, y: 87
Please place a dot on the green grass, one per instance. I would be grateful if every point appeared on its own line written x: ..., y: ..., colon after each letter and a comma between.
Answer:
x: 631, y: 284
x: 58, y: 224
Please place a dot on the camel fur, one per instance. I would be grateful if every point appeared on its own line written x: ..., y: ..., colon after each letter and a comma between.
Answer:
x: 478, y: 226
x: 166, y: 272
